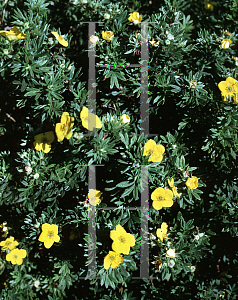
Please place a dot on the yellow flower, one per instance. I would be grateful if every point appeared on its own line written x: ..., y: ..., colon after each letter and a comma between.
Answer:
x: 64, y: 128
x: 106, y: 16
x: 14, y: 34
x: 94, y: 196
x: 156, y: 151
x: 90, y: 120
x: 193, y: 84
x: 16, y: 256
x: 107, y: 35
x: 113, y: 259
x: 192, y: 183
x: 135, y: 17
x: 209, y: 6
x: 49, y: 235
x: 162, y: 232
x: 43, y: 141
x: 155, y: 42
x: 228, y: 87
x: 174, y: 188
x: 170, y: 253
x: 94, y: 39
x: 122, y: 241
x: 162, y: 198
x: 60, y: 39
x: 125, y: 118
x: 9, y: 243
x: 225, y: 44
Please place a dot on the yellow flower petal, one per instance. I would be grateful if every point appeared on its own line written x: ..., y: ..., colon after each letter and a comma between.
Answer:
x: 135, y: 17
x: 89, y: 120
x: 46, y: 148
x: 60, y: 39
x: 157, y: 205
x: 14, y: 34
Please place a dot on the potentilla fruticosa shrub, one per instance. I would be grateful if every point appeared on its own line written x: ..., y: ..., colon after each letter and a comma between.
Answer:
x: 93, y: 205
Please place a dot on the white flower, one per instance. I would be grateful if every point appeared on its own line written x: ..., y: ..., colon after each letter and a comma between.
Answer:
x: 125, y: 118
x: 37, y: 225
x: 170, y: 37
x: 36, y: 176
x: 171, y: 263
x: 193, y: 268
x: 78, y: 135
x: 94, y: 39
x: 28, y: 170
x: 24, y: 154
x: 50, y: 41
x: 152, y: 236
x: 36, y: 283
x: 198, y: 236
x: 170, y: 253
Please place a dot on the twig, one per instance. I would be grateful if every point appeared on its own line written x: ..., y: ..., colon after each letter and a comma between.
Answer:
x: 10, y: 117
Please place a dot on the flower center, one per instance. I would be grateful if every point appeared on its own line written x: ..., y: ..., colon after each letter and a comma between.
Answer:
x: 112, y: 257
x: 50, y: 234
x: 64, y: 127
x: 230, y: 89
x: 45, y: 141
x: 16, y: 256
x: 9, y: 243
x: 160, y: 198
x: 122, y: 240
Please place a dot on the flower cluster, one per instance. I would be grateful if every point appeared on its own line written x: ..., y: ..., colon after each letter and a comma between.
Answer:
x: 170, y: 253
x: 122, y: 241
x: 14, y: 255
x: 64, y: 129
x: 162, y: 197
x: 108, y: 35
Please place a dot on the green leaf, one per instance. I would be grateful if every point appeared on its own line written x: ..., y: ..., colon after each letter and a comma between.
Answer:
x: 124, y: 184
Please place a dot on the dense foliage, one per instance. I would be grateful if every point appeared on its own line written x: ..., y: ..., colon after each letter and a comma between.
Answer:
x: 88, y: 195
